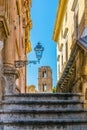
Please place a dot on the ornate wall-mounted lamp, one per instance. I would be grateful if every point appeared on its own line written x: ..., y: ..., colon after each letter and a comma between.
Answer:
x: 38, y: 51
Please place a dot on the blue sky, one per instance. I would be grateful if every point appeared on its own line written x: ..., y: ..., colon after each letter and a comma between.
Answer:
x: 43, y: 14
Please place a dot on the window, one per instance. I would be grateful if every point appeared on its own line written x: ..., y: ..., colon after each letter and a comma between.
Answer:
x: 58, y: 67
x: 74, y: 5
x: 44, y: 74
x: 44, y: 88
x: 76, y: 25
x: 66, y: 47
x: 66, y: 50
x: 75, y: 9
x: 62, y: 60
x: 62, y: 34
x: 65, y: 17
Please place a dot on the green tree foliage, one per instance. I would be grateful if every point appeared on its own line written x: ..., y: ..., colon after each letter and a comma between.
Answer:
x: 54, y: 89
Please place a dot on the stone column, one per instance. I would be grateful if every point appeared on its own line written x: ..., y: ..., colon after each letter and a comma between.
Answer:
x: 9, y: 51
x: 84, y: 76
x: 11, y: 75
x: 9, y: 71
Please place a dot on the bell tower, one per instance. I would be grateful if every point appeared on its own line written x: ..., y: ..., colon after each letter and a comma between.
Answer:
x: 45, y: 79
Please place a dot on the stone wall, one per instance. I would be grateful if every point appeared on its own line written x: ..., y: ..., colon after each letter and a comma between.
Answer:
x: 13, y: 28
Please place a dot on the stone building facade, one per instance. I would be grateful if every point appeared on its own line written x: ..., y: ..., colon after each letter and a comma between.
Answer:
x: 15, y: 25
x: 44, y: 79
x: 70, y: 33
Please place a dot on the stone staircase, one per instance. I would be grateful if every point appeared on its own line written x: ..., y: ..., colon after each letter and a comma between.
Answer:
x: 43, y: 111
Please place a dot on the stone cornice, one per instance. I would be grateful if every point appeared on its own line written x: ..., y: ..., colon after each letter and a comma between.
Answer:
x: 59, y: 17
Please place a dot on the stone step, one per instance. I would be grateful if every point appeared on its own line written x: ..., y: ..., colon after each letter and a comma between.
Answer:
x: 43, y: 96
x: 44, y: 124
x: 42, y: 104
x: 43, y: 111
x: 43, y: 114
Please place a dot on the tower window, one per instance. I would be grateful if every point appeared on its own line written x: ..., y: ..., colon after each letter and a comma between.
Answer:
x: 44, y: 74
x: 44, y: 88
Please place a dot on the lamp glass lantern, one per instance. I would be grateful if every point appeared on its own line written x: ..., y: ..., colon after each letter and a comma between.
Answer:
x: 39, y: 51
